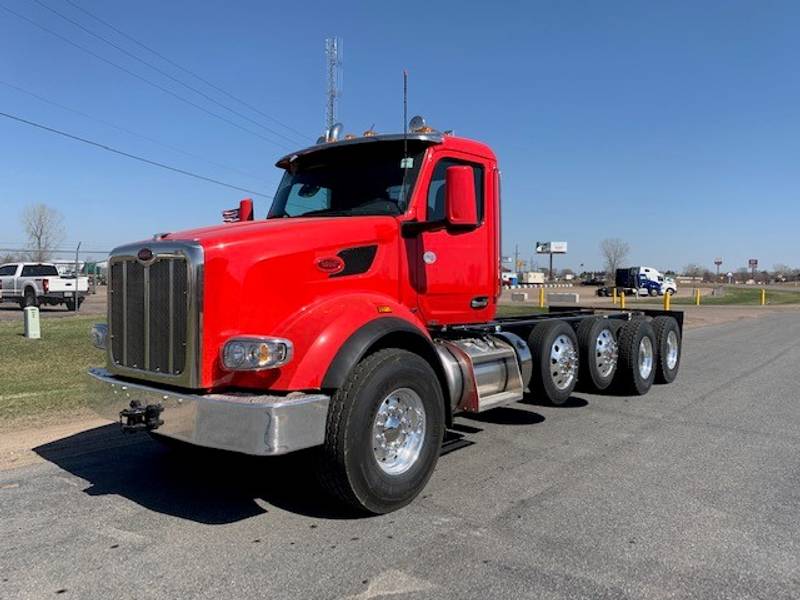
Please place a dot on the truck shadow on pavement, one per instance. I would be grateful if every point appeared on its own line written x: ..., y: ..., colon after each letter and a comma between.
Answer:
x: 572, y: 402
x: 205, y: 486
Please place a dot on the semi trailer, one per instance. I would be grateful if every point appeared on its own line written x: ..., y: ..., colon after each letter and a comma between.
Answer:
x: 358, y: 318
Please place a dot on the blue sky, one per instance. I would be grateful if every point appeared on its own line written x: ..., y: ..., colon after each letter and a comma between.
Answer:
x: 675, y: 126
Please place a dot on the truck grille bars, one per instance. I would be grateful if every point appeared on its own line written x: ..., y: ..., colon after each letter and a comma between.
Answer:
x: 153, y: 314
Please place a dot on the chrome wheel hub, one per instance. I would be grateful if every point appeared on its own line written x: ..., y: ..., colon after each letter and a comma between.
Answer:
x: 563, y: 362
x: 672, y: 350
x: 606, y: 353
x: 398, y: 431
x: 645, y: 357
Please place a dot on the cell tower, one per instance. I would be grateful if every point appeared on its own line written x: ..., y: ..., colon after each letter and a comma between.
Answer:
x: 333, y: 68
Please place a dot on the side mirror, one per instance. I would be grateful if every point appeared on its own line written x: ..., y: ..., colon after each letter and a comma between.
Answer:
x: 243, y: 213
x: 460, y: 205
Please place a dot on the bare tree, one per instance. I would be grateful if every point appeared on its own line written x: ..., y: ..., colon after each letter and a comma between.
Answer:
x: 614, y: 252
x: 9, y: 257
x: 780, y: 269
x: 44, y: 229
x: 693, y: 270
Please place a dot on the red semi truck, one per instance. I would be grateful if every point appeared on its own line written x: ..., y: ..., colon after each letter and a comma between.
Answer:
x: 357, y: 317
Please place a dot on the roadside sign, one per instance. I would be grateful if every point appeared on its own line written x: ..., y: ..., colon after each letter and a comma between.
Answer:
x: 753, y: 263
x: 551, y: 247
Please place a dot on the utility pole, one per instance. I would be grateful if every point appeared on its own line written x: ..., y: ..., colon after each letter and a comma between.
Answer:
x: 333, y: 68
x: 516, y: 257
x: 75, y: 293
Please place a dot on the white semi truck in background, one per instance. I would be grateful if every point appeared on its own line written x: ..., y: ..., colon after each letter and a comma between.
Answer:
x: 640, y: 281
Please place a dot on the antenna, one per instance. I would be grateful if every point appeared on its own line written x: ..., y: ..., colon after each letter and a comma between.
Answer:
x: 402, y: 201
x: 405, y: 113
x: 333, y: 68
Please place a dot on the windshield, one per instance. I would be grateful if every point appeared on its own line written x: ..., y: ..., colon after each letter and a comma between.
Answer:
x: 362, y: 179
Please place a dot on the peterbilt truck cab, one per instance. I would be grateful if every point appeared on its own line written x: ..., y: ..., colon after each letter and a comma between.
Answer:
x: 358, y: 317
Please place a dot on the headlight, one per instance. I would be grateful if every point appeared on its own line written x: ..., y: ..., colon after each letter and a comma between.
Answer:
x: 255, y: 353
x: 100, y: 335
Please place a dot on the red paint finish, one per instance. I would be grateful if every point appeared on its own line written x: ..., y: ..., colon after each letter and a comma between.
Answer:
x: 461, y: 207
x: 272, y: 277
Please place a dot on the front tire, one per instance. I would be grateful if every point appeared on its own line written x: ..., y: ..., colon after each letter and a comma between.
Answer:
x: 384, y: 432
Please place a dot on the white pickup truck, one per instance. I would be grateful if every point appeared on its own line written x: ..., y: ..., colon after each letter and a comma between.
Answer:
x: 35, y: 284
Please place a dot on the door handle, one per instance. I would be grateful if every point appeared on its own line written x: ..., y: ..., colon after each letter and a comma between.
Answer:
x: 479, y: 302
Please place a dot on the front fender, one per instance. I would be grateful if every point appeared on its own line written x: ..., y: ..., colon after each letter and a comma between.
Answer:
x: 327, y: 339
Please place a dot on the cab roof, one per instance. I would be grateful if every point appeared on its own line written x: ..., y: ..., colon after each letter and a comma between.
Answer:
x: 431, y: 138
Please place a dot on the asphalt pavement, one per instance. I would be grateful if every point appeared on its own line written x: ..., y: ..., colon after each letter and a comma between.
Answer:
x: 692, y: 491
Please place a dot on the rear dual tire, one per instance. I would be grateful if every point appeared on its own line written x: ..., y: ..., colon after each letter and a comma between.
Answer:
x: 555, y: 358
x: 597, y: 342
x: 636, y: 370
x: 668, y: 341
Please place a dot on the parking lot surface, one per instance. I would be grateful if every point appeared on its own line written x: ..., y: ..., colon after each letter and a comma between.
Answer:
x: 692, y: 491
x: 95, y: 304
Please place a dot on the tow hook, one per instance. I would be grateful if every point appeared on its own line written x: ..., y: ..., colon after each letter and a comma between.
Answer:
x: 141, y: 418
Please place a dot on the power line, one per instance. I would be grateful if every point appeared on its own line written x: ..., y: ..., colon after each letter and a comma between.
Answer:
x: 133, y: 156
x: 185, y: 70
x: 126, y: 130
x: 140, y: 77
x: 55, y: 251
x: 162, y: 72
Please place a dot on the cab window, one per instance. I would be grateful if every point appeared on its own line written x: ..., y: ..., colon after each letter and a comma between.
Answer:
x: 39, y: 271
x: 8, y: 270
x: 436, y: 190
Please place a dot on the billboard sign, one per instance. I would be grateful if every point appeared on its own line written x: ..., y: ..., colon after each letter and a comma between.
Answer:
x: 551, y: 247
x: 753, y: 263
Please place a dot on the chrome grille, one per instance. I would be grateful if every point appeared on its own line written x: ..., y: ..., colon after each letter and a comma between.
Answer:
x: 154, y: 313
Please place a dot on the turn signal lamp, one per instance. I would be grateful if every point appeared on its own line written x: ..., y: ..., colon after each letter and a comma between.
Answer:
x: 256, y: 353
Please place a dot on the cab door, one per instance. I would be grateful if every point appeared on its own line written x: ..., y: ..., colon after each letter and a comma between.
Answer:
x: 456, y: 274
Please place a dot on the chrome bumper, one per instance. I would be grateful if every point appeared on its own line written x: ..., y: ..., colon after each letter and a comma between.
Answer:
x: 255, y: 424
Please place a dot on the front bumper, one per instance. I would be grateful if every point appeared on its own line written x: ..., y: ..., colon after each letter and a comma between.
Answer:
x: 257, y: 424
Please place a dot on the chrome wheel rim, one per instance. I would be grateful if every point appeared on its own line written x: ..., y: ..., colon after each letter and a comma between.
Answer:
x: 563, y: 362
x: 645, y: 357
x: 398, y: 431
x: 605, y: 353
x: 672, y: 350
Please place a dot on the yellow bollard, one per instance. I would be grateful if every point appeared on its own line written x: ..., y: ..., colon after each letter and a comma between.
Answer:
x: 622, y: 300
x: 667, y: 301
x: 763, y: 296
x: 614, y: 295
x: 541, y: 297
x: 697, y: 296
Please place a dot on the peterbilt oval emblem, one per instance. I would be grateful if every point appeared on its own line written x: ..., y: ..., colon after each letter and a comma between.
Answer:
x: 145, y: 254
x: 429, y: 257
x: 330, y: 264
